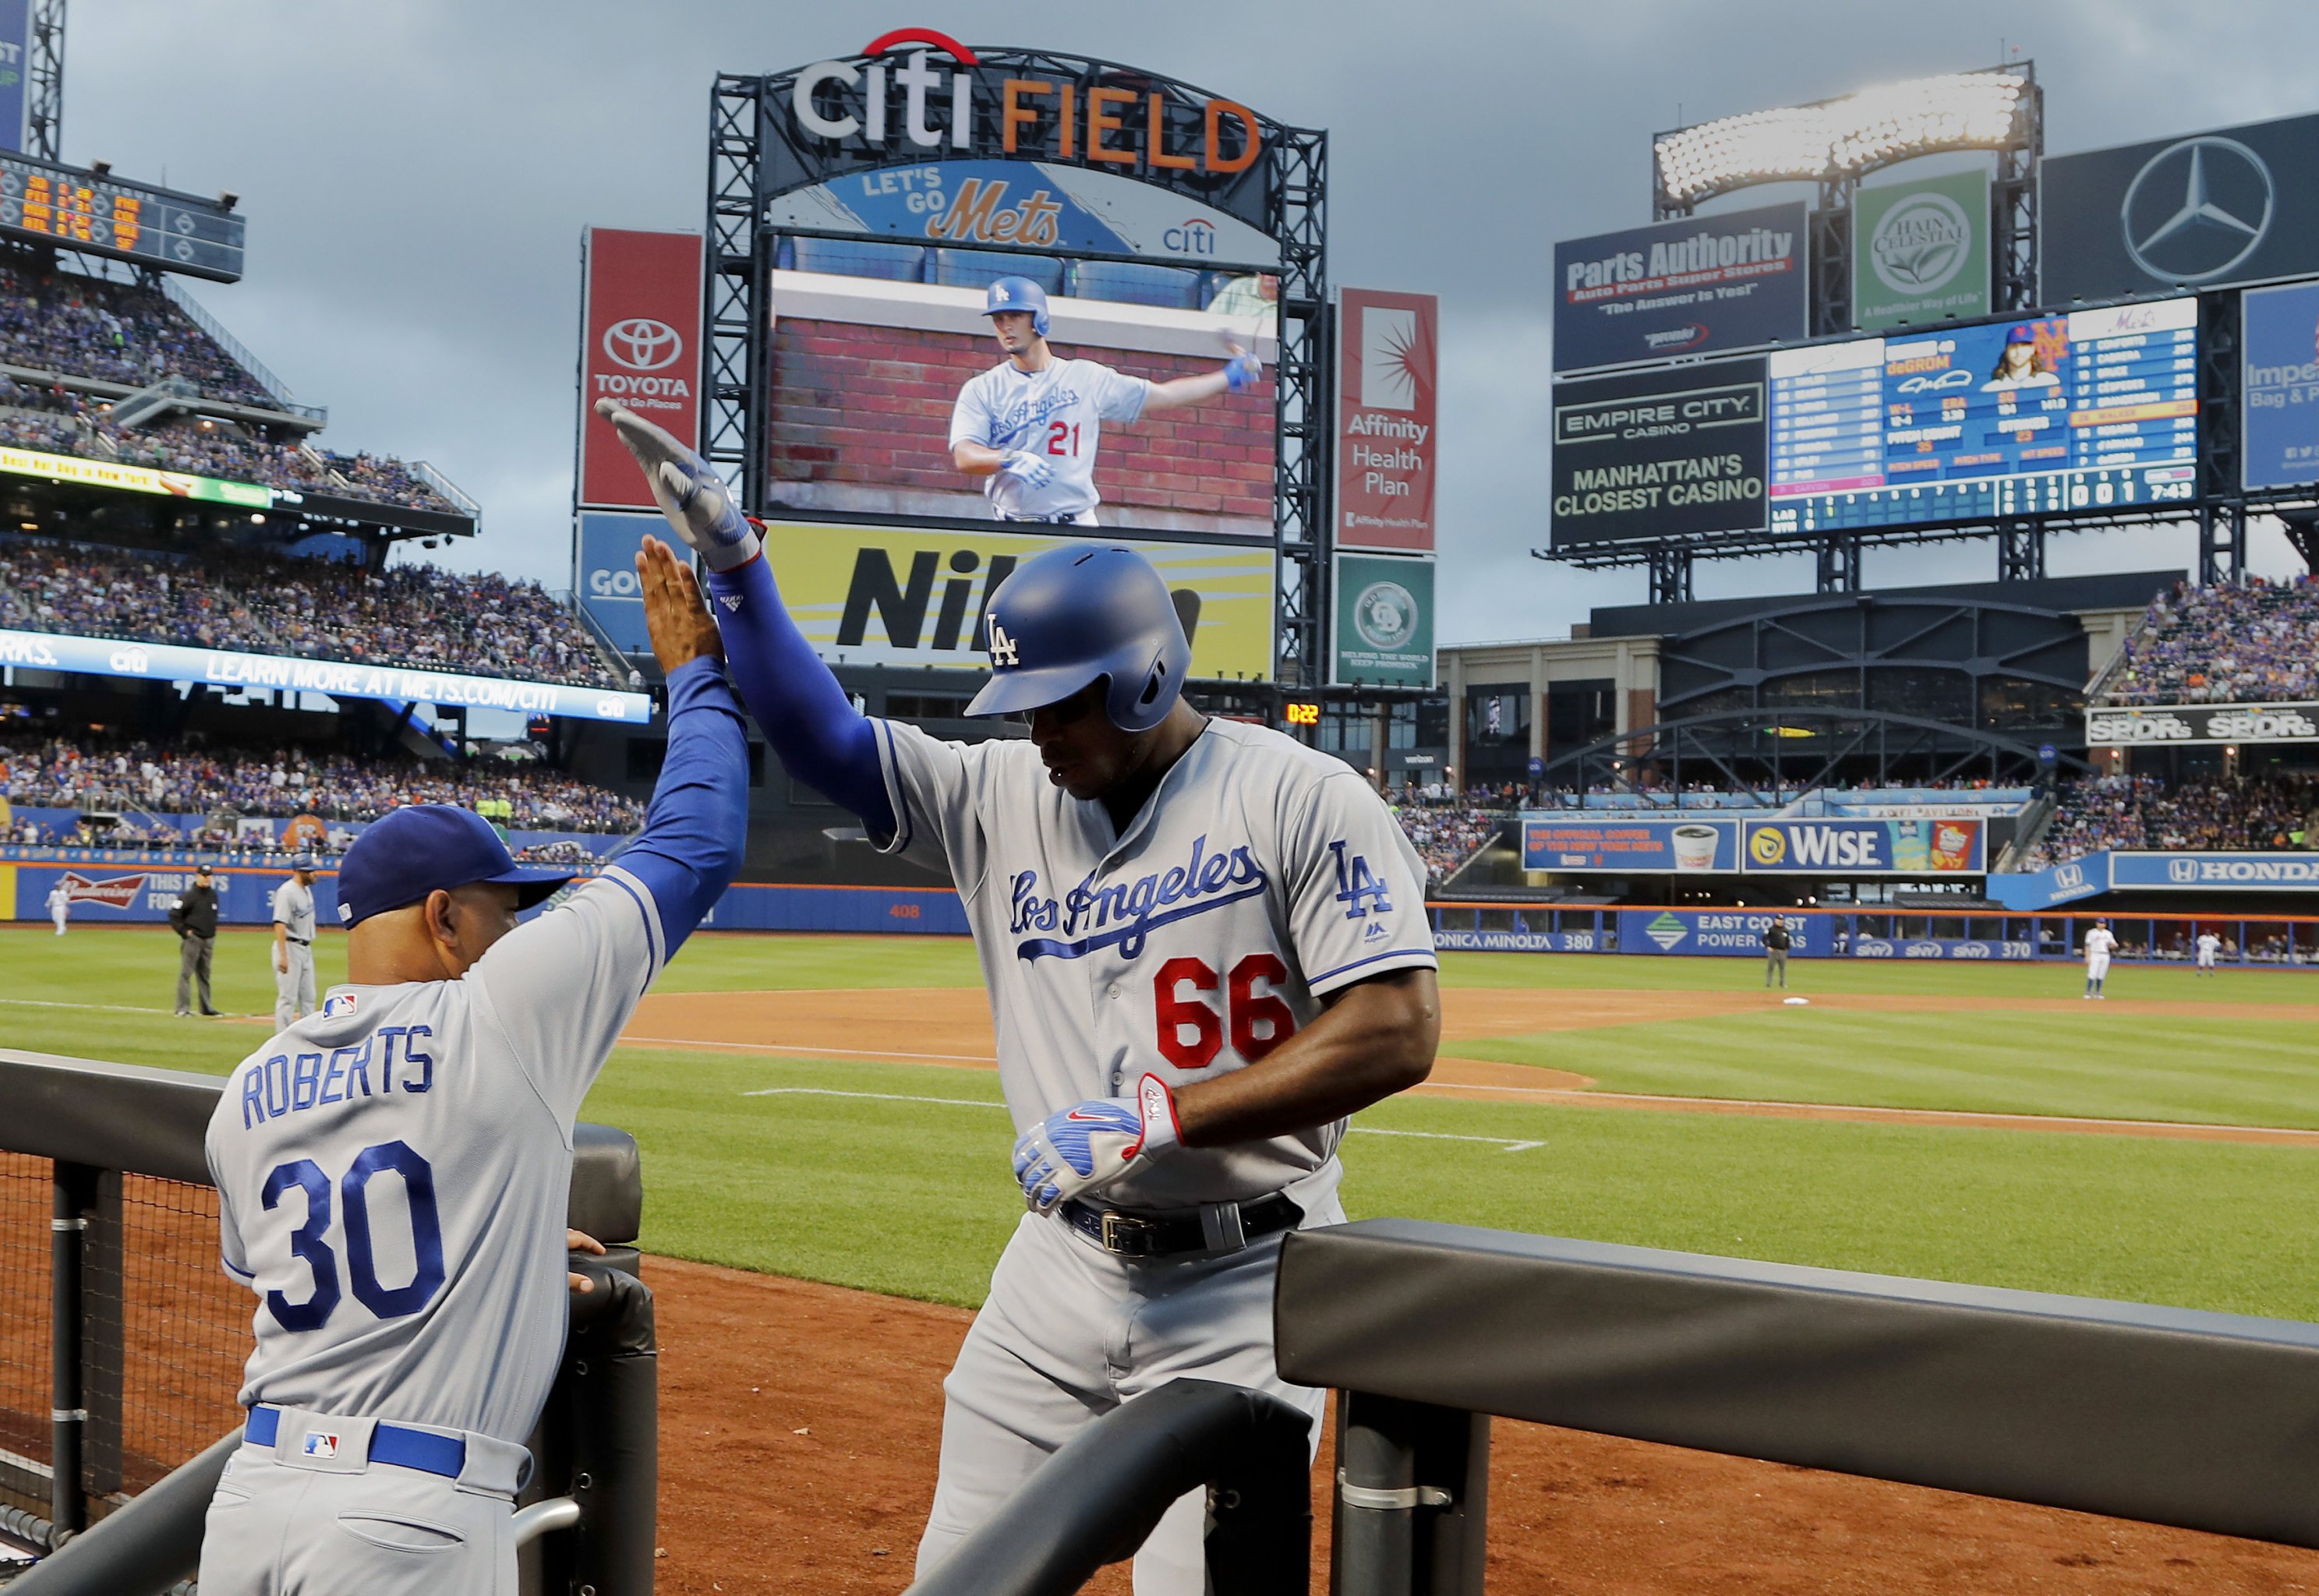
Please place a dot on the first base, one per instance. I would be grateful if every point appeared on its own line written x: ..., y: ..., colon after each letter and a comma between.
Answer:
x: 1795, y: 1002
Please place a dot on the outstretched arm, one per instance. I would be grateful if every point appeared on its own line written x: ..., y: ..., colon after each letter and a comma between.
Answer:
x: 1236, y: 375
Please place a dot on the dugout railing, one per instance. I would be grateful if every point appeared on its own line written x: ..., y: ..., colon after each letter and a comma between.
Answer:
x: 121, y: 1350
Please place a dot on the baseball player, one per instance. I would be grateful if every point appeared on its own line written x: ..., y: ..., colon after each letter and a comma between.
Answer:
x: 293, y: 945
x: 2210, y: 948
x: 2099, y: 944
x: 392, y: 1172
x: 1029, y: 426
x: 1205, y: 946
x: 59, y: 906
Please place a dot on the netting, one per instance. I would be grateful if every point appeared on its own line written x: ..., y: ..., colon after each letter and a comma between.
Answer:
x: 24, y: 1187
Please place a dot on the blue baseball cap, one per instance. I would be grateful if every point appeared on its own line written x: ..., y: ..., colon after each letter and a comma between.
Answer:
x: 415, y: 849
x: 304, y: 861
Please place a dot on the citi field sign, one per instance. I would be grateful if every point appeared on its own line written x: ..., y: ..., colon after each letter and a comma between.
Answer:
x: 916, y: 96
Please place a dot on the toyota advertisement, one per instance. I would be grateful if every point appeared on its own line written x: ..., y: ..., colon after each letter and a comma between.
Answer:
x: 1695, y: 286
x: 2206, y: 210
x: 641, y: 316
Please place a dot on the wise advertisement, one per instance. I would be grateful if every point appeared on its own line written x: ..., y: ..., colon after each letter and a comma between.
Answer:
x: 1920, y: 251
x: 1384, y: 621
x: 1703, y: 283
x: 1659, y: 453
x: 1387, y: 354
x: 640, y: 295
x: 138, y: 479
x: 887, y: 596
x: 1864, y: 847
x: 217, y: 667
x: 1641, y: 846
x: 2279, y: 427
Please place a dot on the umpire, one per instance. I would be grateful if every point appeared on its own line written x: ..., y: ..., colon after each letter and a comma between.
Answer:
x: 193, y: 917
x: 1775, y: 951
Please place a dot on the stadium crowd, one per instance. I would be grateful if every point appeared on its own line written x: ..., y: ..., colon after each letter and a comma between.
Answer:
x: 117, y: 332
x: 55, y: 773
x: 1450, y: 832
x: 416, y: 615
x: 2257, y: 812
x: 2247, y: 642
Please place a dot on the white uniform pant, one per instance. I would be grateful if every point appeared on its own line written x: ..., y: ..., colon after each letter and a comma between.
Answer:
x: 294, y: 988
x: 58, y: 914
x: 2096, y: 967
x: 2206, y: 958
x: 1070, y: 1333
x: 283, y: 1526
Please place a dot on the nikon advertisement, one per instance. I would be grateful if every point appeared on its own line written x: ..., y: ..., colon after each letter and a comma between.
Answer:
x: 1920, y: 252
x: 1659, y: 455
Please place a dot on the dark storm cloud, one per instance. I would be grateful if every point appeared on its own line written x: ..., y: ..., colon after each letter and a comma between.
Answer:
x: 417, y: 176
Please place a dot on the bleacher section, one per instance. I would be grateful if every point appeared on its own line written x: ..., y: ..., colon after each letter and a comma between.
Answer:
x: 2256, y: 814
x: 2234, y: 642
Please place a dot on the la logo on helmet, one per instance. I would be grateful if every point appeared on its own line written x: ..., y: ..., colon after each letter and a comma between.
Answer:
x: 1002, y: 646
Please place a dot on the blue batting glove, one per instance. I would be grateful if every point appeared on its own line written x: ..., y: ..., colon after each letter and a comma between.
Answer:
x: 1091, y: 1144
x: 688, y: 490
x: 1026, y: 468
x: 1242, y: 372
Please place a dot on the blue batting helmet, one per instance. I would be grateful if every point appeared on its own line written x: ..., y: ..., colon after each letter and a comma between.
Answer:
x: 1076, y: 615
x: 1018, y: 293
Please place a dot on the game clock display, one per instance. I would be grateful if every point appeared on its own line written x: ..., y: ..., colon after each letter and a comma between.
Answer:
x: 2092, y: 411
x: 104, y: 215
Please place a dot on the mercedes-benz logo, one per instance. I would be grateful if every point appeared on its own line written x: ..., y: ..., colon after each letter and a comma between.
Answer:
x: 643, y: 343
x: 2197, y: 209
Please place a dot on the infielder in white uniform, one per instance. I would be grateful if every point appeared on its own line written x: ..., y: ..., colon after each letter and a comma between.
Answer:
x: 2099, y: 944
x: 293, y: 945
x: 59, y: 906
x: 393, y: 1173
x: 1205, y: 944
x: 1029, y: 425
x: 2210, y: 947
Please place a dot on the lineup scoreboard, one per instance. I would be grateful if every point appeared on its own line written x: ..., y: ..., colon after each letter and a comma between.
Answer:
x: 2095, y: 410
x: 106, y: 215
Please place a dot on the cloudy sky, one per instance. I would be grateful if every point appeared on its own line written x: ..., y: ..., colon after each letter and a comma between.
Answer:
x: 417, y: 176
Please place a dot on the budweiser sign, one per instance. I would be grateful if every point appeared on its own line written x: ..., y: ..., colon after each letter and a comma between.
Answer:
x: 115, y: 892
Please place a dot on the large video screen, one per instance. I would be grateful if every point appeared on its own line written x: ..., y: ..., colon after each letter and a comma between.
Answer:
x: 869, y: 375
x: 1658, y: 454
x: 2093, y: 410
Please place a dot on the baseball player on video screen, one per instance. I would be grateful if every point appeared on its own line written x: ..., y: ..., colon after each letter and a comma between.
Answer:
x: 393, y: 1173
x: 1205, y: 945
x: 1029, y: 425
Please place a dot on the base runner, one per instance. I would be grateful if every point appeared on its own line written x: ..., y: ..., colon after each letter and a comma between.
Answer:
x: 293, y: 945
x: 1205, y: 946
x: 393, y: 1173
x: 2099, y: 944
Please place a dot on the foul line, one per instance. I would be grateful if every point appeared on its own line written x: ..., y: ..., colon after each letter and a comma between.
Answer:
x: 1511, y: 1146
x: 630, y: 1039
x: 108, y: 1008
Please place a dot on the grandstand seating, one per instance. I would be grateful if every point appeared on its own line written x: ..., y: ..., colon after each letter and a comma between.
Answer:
x: 117, y: 332
x: 1448, y: 833
x: 416, y: 615
x: 2233, y: 642
x: 2257, y: 812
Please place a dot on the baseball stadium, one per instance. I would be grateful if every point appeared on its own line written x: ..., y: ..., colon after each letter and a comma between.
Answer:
x: 1745, y: 1091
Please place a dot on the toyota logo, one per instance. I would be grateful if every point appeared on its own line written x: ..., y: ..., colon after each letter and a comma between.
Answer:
x: 2197, y: 208
x: 643, y: 343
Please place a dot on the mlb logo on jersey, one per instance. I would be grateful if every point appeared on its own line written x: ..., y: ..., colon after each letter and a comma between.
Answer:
x: 322, y: 1443
x: 339, y: 1005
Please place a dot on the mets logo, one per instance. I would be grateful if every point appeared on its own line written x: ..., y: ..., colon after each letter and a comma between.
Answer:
x: 1002, y: 647
x: 1767, y: 844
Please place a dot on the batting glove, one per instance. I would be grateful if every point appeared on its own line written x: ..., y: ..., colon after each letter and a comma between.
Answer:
x: 1026, y: 468
x: 688, y: 491
x: 1091, y: 1144
x: 1242, y: 372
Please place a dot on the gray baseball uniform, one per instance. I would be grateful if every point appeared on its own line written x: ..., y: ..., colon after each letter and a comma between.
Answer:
x: 1260, y: 878
x: 294, y: 988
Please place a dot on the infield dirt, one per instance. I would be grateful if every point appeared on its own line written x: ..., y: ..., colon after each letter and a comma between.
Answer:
x: 801, y: 1425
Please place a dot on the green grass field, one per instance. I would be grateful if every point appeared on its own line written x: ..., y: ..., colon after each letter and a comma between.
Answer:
x: 894, y: 1177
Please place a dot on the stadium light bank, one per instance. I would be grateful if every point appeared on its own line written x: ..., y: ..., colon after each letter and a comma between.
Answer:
x: 1842, y: 137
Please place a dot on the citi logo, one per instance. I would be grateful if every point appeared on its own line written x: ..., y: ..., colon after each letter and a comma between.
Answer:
x: 130, y: 660
x: 1195, y: 237
x: 639, y: 343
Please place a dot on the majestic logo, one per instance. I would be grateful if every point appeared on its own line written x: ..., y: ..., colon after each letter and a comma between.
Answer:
x: 2182, y: 872
x: 115, y: 892
x: 1666, y: 931
x: 1386, y: 615
x: 1003, y: 652
x: 1920, y: 244
x: 2197, y: 208
x: 643, y: 343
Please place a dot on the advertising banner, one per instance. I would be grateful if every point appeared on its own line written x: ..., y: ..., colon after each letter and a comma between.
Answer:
x: 1519, y: 942
x: 2240, y: 205
x: 217, y: 667
x: 2208, y: 872
x: 1387, y: 350
x: 2279, y: 427
x: 887, y: 596
x: 138, y: 479
x: 2054, y: 885
x: 1932, y: 947
x: 1384, y: 621
x: 1920, y: 252
x: 2202, y: 723
x: 604, y: 573
x: 1865, y: 847
x: 1659, y: 453
x: 1693, y: 286
x: 1642, y: 846
x: 16, y: 72
x: 640, y: 314
x: 1727, y: 932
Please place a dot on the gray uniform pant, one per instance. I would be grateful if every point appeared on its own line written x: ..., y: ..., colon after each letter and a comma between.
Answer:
x: 294, y: 988
x: 1776, y: 963
x: 1070, y: 1333
x: 194, y: 967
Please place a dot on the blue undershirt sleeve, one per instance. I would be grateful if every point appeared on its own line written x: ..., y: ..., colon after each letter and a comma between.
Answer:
x: 697, y: 826
x: 821, y: 738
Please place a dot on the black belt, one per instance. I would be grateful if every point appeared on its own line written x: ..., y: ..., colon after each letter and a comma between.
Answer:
x: 1168, y: 1235
x: 1070, y: 518
x: 304, y: 941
